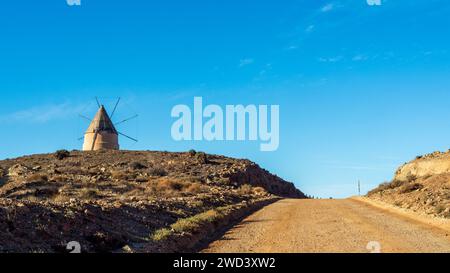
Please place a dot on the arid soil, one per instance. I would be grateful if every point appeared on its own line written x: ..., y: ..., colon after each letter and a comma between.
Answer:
x: 422, y: 186
x: 336, y: 226
x: 112, y: 200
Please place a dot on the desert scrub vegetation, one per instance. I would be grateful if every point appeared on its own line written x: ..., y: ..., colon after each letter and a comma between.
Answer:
x: 62, y: 154
x: 387, y: 186
x: 159, y: 172
x: 191, y: 224
x: 119, y: 175
x: 175, y: 187
x: 411, y: 187
x: 407, y: 186
x: 443, y: 210
x: 245, y: 189
x: 137, y: 166
x: 440, y: 209
x: 89, y: 193
x: 38, y: 177
x: 161, y: 234
x: 260, y: 191
x: 201, y: 158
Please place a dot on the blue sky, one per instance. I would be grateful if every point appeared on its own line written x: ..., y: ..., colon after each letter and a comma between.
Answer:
x: 362, y: 89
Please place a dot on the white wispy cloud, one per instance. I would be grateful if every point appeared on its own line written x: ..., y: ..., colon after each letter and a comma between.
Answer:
x: 327, y: 7
x: 245, y: 62
x: 43, y: 114
x: 310, y: 28
x: 331, y: 59
x: 359, y: 58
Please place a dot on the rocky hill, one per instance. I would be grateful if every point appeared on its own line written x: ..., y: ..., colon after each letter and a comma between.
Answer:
x: 422, y: 185
x: 124, y: 200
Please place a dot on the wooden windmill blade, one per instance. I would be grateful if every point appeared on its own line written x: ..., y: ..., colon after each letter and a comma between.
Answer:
x: 115, y: 108
x: 125, y: 120
x: 93, y: 142
x: 135, y: 140
x: 98, y: 102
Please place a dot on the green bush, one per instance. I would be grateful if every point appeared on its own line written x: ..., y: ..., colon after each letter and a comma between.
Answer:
x: 411, y: 187
x: 202, y: 158
x: 387, y: 186
x: 161, y: 234
x: 137, y: 166
x: 62, y: 154
x: 157, y: 172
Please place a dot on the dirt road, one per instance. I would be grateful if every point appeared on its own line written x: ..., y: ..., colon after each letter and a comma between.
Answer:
x: 316, y: 226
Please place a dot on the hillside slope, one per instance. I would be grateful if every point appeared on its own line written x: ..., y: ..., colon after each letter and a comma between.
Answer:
x: 107, y: 200
x: 422, y: 185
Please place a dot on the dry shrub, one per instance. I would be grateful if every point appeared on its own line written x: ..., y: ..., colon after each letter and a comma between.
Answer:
x: 411, y: 187
x: 137, y: 166
x: 136, y: 192
x: 197, y: 204
x: 161, y: 234
x: 141, y: 179
x: 387, y: 186
x: 201, y: 158
x: 195, y: 188
x: 446, y: 214
x: 245, y: 189
x: 89, y: 193
x: 119, y: 175
x: 37, y: 177
x: 411, y: 178
x: 259, y: 191
x: 174, y: 187
x: 61, y: 198
x: 160, y: 172
x: 440, y: 209
x: 62, y: 154
x: 193, y: 223
x: 169, y: 185
x: 59, y: 178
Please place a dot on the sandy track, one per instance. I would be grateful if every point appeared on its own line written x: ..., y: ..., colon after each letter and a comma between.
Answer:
x: 316, y: 226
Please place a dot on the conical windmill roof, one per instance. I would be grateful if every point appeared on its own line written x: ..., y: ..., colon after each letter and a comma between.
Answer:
x: 102, y: 123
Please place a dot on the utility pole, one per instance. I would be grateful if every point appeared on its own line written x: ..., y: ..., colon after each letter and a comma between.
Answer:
x: 359, y: 187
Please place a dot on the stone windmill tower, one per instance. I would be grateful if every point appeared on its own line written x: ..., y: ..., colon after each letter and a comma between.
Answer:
x: 102, y: 133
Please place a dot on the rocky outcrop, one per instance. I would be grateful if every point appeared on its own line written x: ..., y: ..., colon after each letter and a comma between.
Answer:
x: 106, y: 200
x: 256, y: 176
x: 431, y: 164
x: 422, y: 185
x: 3, y: 177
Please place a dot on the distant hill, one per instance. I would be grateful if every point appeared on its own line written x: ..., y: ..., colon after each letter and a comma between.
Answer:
x: 112, y: 200
x: 422, y: 185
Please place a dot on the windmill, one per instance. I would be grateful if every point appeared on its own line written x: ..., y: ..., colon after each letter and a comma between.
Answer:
x: 102, y: 133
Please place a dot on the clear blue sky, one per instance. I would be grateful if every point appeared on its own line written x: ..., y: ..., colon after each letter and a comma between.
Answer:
x: 361, y: 89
